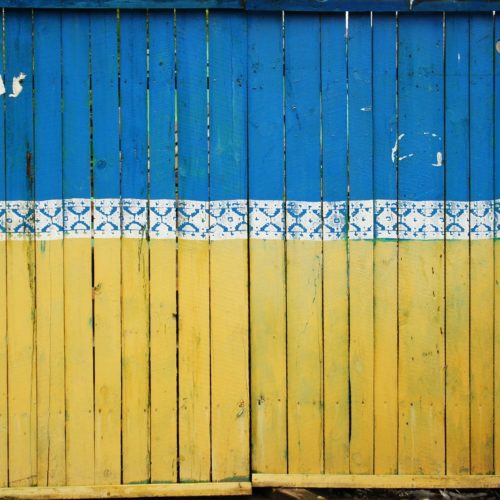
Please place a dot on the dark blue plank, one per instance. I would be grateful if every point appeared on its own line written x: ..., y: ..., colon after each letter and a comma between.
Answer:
x: 265, y: 107
x: 161, y: 105
x: 124, y: 4
x: 104, y: 44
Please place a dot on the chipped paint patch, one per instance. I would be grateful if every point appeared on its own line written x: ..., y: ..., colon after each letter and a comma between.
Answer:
x: 395, y: 148
x: 401, y: 158
x: 439, y: 160
x: 2, y: 86
x: 368, y: 108
x: 17, y: 88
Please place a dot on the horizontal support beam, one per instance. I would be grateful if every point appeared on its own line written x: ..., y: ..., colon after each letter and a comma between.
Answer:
x: 374, y: 481
x: 269, y: 5
x: 128, y: 491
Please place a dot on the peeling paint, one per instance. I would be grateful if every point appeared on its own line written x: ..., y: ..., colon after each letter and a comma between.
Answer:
x: 395, y: 148
x: 401, y: 158
x: 368, y: 108
x: 2, y: 86
x: 17, y: 88
x: 439, y: 160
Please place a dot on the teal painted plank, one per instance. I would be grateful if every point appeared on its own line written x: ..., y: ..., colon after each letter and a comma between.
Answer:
x: 106, y: 151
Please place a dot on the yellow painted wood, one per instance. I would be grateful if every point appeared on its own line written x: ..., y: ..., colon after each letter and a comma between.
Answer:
x: 130, y: 491
x: 421, y: 357
x: 4, y: 430
x: 194, y: 361
x: 361, y: 355
x: 386, y: 357
x: 163, y: 300
x: 497, y: 357
x: 107, y: 358
x: 481, y: 355
x: 229, y: 359
x: 21, y: 363
x: 135, y: 360
x: 51, y: 446
x: 457, y: 357
x: 79, y: 363
x: 374, y: 481
x: 305, y: 356
x: 336, y: 357
x: 268, y: 355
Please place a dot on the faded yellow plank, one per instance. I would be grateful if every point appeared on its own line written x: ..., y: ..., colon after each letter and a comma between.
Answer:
x: 361, y: 355
x: 336, y: 357
x: 481, y: 355
x: 305, y: 356
x: 51, y: 449
x: 21, y: 363
x: 229, y: 359
x: 497, y: 357
x: 268, y: 355
x: 194, y: 361
x: 107, y: 358
x: 386, y: 357
x: 457, y: 357
x: 421, y: 357
x: 4, y: 430
x: 135, y: 360
x: 163, y: 300
x: 79, y: 362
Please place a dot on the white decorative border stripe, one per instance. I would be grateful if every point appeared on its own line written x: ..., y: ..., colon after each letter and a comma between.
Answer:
x: 258, y: 219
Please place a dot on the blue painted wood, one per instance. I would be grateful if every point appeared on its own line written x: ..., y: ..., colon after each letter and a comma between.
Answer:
x: 302, y: 113
x: 360, y: 107
x: 481, y: 107
x: 421, y: 106
x: 162, y: 105
x: 265, y: 107
x: 19, y: 111
x: 106, y: 148
x: 334, y: 106
x: 123, y: 4
x: 133, y: 82
x: 457, y: 107
x: 228, y: 106
x: 497, y: 129
x: 48, y: 116
x: 384, y: 107
x: 192, y: 105
x: 76, y: 109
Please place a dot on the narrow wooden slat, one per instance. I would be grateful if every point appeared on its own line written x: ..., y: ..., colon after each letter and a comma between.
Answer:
x: 385, y: 252
x: 21, y: 298
x: 193, y: 253
x: 335, y: 282
x: 360, y: 250
x: 78, y: 318
x: 135, y: 255
x: 229, y: 248
x: 304, y: 258
x: 457, y: 245
x: 49, y: 251
x: 267, y: 256
x: 107, y: 253
x: 481, y: 245
x: 162, y: 248
x: 421, y: 251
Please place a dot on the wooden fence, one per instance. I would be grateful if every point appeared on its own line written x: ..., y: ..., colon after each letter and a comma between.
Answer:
x: 243, y: 247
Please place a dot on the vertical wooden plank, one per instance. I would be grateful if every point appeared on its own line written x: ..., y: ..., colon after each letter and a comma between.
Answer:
x: 457, y: 244
x: 107, y: 252
x: 304, y: 246
x: 481, y: 245
x: 78, y: 317
x: 360, y: 132
x: 267, y: 246
x: 385, y: 251
x: 21, y: 256
x: 49, y: 250
x: 421, y: 249
x: 162, y: 248
x: 193, y: 253
x: 4, y: 416
x: 135, y: 255
x: 229, y: 246
x: 335, y: 283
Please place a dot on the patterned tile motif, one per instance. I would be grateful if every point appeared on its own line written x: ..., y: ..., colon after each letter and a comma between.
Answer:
x: 457, y: 220
x: 49, y: 223
x: 386, y: 219
x: 334, y: 220
x: 361, y: 220
x: 20, y: 219
x: 304, y: 221
x: 267, y: 219
x: 77, y: 218
x: 134, y: 218
x: 192, y: 219
x: 107, y: 218
x: 421, y: 220
x: 228, y: 220
x: 482, y: 220
x: 162, y: 219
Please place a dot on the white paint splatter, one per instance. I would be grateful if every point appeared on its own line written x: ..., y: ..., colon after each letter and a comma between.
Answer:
x: 2, y: 86
x: 17, y: 88
x: 395, y: 148
x: 401, y: 158
x: 439, y: 160
x: 369, y: 108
